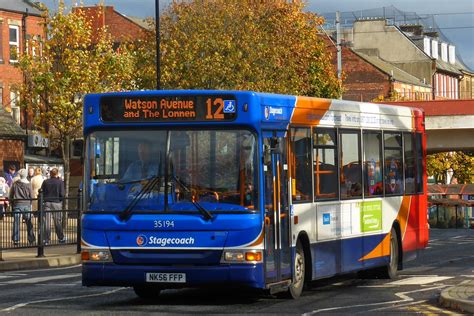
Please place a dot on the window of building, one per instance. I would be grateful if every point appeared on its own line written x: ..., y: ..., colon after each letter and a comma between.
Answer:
x: 302, y: 182
x: 393, y: 163
x: 325, y: 164
x: 410, y: 168
x: 351, y: 169
x: 14, y: 41
x: 14, y: 105
x: 373, y: 184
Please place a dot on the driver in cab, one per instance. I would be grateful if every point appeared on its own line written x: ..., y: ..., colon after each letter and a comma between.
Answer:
x: 144, y: 167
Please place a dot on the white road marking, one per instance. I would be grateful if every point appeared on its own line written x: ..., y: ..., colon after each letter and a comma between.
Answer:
x: 53, y: 269
x: 404, y: 298
x: 398, y: 306
x: 12, y: 308
x: 10, y: 275
x: 43, y: 279
x: 420, y: 280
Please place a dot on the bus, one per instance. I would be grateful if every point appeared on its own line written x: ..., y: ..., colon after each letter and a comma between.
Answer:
x: 196, y: 188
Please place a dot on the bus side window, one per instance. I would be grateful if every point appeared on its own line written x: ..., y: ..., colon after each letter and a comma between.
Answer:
x: 373, y: 184
x: 419, y: 162
x: 325, y: 164
x: 351, y: 169
x: 409, y: 155
x: 393, y: 164
x: 300, y: 161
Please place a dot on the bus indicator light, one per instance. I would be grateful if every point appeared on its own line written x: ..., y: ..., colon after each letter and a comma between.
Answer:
x: 253, y: 256
x: 85, y: 255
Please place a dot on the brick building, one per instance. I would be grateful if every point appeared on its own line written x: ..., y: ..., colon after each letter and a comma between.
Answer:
x: 12, y: 142
x: 20, y: 31
x: 121, y: 27
x: 419, y: 53
x: 370, y: 78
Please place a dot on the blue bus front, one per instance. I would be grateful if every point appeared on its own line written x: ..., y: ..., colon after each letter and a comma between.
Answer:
x: 171, y: 190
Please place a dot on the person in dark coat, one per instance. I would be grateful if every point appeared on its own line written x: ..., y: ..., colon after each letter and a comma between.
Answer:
x: 53, y: 194
x: 21, y: 194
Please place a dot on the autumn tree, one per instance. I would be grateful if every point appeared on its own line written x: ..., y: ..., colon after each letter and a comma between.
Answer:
x: 71, y: 62
x: 268, y: 46
x: 460, y: 164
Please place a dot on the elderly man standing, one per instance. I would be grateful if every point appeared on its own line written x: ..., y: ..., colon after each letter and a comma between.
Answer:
x: 53, y: 194
x: 21, y: 194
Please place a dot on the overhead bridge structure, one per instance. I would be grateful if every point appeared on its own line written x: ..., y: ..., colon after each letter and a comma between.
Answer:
x: 449, y: 124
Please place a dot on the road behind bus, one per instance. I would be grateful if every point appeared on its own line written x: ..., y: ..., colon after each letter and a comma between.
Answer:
x: 448, y: 260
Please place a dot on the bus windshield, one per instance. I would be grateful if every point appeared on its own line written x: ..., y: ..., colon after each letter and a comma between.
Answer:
x: 171, y: 170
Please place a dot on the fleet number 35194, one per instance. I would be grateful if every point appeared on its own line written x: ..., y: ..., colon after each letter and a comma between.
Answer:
x: 163, y: 224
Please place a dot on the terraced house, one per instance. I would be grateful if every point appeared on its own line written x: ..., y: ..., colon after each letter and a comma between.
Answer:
x: 20, y: 32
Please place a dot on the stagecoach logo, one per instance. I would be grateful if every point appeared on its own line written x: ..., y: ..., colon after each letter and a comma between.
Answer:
x: 141, y: 240
x: 267, y: 112
x: 276, y: 113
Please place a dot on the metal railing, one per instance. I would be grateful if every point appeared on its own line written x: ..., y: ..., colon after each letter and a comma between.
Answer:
x: 36, y: 223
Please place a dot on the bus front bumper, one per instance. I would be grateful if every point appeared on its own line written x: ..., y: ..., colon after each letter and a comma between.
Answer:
x: 110, y: 274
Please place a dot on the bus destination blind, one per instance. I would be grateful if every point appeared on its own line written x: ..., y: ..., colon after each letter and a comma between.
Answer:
x: 168, y: 108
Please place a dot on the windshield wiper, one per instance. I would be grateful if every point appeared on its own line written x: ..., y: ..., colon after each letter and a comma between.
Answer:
x: 127, y: 212
x: 207, y: 215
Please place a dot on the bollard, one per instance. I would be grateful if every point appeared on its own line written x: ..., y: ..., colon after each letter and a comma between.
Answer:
x: 41, y: 221
x: 79, y: 216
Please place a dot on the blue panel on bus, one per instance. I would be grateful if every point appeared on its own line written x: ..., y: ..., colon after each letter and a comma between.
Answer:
x: 340, y: 256
x: 166, y: 257
x: 127, y: 275
x: 167, y: 239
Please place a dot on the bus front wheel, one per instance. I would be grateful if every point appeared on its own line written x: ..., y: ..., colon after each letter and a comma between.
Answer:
x: 299, y: 270
x: 147, y: 292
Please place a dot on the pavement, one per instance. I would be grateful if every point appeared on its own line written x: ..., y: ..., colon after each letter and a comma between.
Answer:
x: 459, y: 297
x: 25, y: 259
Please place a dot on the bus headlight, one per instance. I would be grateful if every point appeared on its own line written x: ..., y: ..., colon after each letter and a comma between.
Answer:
x: 96, y: 255
x: 242, y: 256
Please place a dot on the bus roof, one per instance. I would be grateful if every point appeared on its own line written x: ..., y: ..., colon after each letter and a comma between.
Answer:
x: 260, y: 110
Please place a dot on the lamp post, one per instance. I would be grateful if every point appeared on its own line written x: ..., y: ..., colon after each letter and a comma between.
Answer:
x: 158, y: 53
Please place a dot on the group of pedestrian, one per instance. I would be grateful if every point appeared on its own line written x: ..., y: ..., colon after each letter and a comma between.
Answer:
x: 21, y: 189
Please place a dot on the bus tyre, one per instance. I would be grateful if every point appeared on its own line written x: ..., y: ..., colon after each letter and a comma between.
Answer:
x: 296, y: 287
x: 391, y: 270
x: 147, y: 292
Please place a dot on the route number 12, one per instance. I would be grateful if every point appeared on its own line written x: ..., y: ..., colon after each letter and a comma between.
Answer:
x: 217, y: 114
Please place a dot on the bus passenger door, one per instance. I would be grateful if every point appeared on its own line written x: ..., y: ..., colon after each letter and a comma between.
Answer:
x: 277, y: 215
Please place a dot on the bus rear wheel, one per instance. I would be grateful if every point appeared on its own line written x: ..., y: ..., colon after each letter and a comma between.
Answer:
x: 391, y: 271
x: 147, y: 292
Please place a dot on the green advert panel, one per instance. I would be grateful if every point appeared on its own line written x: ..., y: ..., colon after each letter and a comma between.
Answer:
x: 370, y: 216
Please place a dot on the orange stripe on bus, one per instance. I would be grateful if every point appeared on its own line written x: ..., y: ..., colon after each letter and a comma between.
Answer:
x: 310, y: 110
x: 259, y: 239
x: 383, y: 248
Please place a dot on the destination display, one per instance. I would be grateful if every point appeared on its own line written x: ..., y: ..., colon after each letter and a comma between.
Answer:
x: 168, y: 108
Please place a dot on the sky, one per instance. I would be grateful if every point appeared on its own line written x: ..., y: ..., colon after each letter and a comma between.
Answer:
x: 454, y: 17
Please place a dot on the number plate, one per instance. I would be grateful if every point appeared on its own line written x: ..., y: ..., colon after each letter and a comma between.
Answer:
x: 166, y: 277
